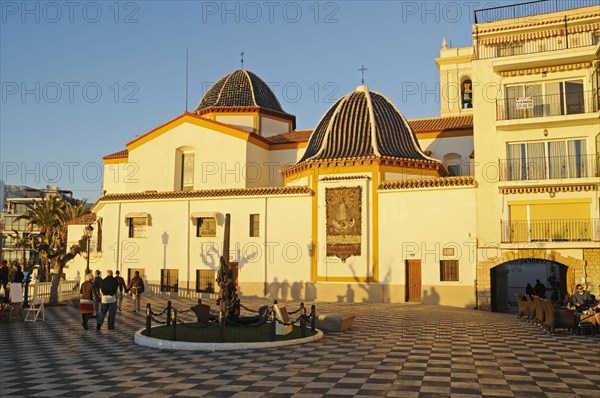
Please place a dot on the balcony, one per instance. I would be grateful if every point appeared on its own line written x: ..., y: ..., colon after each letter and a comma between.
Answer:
x: 529, y: 9
x: 547, y: 168
x: 550, y: 231
x: 573, y: 103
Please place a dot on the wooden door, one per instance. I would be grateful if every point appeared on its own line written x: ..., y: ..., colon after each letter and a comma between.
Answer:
x: 413, y: 280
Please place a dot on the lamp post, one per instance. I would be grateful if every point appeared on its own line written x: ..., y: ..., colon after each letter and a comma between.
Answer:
x: 88, y: 234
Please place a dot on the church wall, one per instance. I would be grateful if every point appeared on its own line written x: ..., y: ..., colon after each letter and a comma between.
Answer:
x: 419, y: 225
x: 440, y: 147
x: 270, y: 127
x: 257, y: 170
x: 243, y: 122
x: 211, y: 169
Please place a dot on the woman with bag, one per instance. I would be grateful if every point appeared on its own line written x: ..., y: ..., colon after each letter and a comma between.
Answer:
x: 86, y: 302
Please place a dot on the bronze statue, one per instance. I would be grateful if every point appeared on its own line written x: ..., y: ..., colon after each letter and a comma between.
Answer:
x: 228, y: 299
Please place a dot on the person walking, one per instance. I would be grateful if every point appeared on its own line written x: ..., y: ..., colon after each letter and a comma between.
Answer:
x: 3, y: 280
x: 529, y: 290
x: 96, y: 292
x: 121, y: 290
x: 136, y: 286
x: 108, y: 287
x: 86, y: 301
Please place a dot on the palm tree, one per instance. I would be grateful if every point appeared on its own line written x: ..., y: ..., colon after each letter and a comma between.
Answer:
x: 50, y: 216
x: 23, y: 240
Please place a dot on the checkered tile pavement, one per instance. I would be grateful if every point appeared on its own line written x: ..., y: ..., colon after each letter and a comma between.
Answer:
x: 394, y: 350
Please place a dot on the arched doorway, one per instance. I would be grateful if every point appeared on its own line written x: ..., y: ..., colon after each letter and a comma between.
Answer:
x: 512, y: 277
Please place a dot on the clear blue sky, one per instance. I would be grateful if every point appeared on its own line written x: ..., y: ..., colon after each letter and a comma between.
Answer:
x: 81, y: 79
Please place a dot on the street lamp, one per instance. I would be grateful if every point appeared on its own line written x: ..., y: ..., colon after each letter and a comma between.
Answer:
x: 88, y: 234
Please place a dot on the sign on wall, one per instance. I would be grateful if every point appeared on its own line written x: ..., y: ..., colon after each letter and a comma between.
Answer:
x: 344, y: 226
x: 525, y: 103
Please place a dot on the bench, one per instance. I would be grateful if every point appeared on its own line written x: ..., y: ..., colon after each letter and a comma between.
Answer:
x: 335, y: 322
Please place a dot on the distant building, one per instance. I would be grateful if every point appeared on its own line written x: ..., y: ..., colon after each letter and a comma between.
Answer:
x: 19, y: 199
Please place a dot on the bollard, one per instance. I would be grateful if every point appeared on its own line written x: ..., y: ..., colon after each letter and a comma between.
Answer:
x: 200, y: 301
x: 174, y: 321
x: 148, y: 320
x: 273, y: 324
x: 303, y: 321
x: 168, y: 312
x: 313, y: 315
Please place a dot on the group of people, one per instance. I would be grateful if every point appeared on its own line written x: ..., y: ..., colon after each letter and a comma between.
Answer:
x: 102, y: 296
x: 17, y: 279
x: 538, y: 290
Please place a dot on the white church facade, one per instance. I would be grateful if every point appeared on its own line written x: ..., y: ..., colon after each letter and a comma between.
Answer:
x: 367, y: 206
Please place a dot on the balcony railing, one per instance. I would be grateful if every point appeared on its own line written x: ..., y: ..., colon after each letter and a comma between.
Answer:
x: 529, y: 9
x: 552, y: 167
x: 547, y: 105
x: 585, y: 230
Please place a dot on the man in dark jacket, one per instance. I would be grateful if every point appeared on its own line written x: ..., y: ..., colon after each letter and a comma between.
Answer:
x: 96, y: 291
x: 540, y: 289
x: 108, y: 287
x: 121, y: 291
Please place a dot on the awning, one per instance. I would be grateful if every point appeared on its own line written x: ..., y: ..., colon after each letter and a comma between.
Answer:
x: 204, y: 214
x: 136, y: 215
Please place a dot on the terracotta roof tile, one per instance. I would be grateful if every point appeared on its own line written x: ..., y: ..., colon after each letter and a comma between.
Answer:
x: 291, y: 137
x: 206, y: 193
x: 429, y: 183
x: 441, y: 123
x: 121, y: 154
x: 89, y: 218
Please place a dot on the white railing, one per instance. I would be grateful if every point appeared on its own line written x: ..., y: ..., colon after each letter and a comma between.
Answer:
x: 42, y: 289
x: 153, y: 289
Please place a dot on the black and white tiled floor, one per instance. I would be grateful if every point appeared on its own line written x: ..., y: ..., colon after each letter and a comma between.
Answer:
x: 393, y: 350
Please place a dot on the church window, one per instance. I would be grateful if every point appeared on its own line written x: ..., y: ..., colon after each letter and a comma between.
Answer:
x: 187, y: 171
x: 254, y: 225
x: 453, y: 164
x: 205, y: 280
x: 449, y: 270
x: 206, y: 227
x: 169, y: 280
x: 137, y: 227
x: 467, y: 94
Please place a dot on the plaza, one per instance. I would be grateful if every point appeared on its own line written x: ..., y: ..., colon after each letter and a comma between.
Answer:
x: 393, y: 349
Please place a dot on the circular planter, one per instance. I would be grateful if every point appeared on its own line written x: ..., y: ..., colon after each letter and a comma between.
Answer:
x: 161, y: 344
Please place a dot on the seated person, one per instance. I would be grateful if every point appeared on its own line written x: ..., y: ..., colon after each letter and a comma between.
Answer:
x: 581, y: 298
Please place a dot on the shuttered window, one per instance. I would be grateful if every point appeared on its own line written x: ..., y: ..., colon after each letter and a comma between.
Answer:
x: 449, y: 270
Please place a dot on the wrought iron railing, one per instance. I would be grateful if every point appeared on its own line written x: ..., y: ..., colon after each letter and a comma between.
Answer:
x: 546, y: 168
x: 529, y: 9
x: 566, y: 230
x: 526, y: 107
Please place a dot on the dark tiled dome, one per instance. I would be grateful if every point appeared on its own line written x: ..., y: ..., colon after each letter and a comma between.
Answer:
x: 363, y: 124
x: 240, y: 89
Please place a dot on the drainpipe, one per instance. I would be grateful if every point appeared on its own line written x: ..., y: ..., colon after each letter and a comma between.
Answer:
x: 265, y: 248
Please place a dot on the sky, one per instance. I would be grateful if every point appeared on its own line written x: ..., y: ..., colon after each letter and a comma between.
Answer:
x: 81, y: 79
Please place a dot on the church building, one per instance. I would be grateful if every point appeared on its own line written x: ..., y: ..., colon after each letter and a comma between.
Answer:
x: 369, y: 206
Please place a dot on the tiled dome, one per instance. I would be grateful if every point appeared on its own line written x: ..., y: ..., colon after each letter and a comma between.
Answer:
x: 363, y: 124
x: 240, y: 89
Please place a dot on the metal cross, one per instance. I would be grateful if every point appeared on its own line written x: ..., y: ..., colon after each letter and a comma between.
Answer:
x: 242, y: 55
x: 362, y: 71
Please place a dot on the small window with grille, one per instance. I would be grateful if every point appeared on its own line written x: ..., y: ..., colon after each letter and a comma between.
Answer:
x: 169, y: 280
x: 254, y: 225
x: 206, y: 227
x: 449, y: 270
x: 205, y: 280
x: 137, y: 227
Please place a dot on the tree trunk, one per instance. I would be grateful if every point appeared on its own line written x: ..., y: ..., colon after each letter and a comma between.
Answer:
x: 55, y: 285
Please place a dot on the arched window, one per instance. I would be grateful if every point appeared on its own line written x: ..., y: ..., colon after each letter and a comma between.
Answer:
x: 184, y: 169
x: 466, y: 90
x: 452, y: 161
